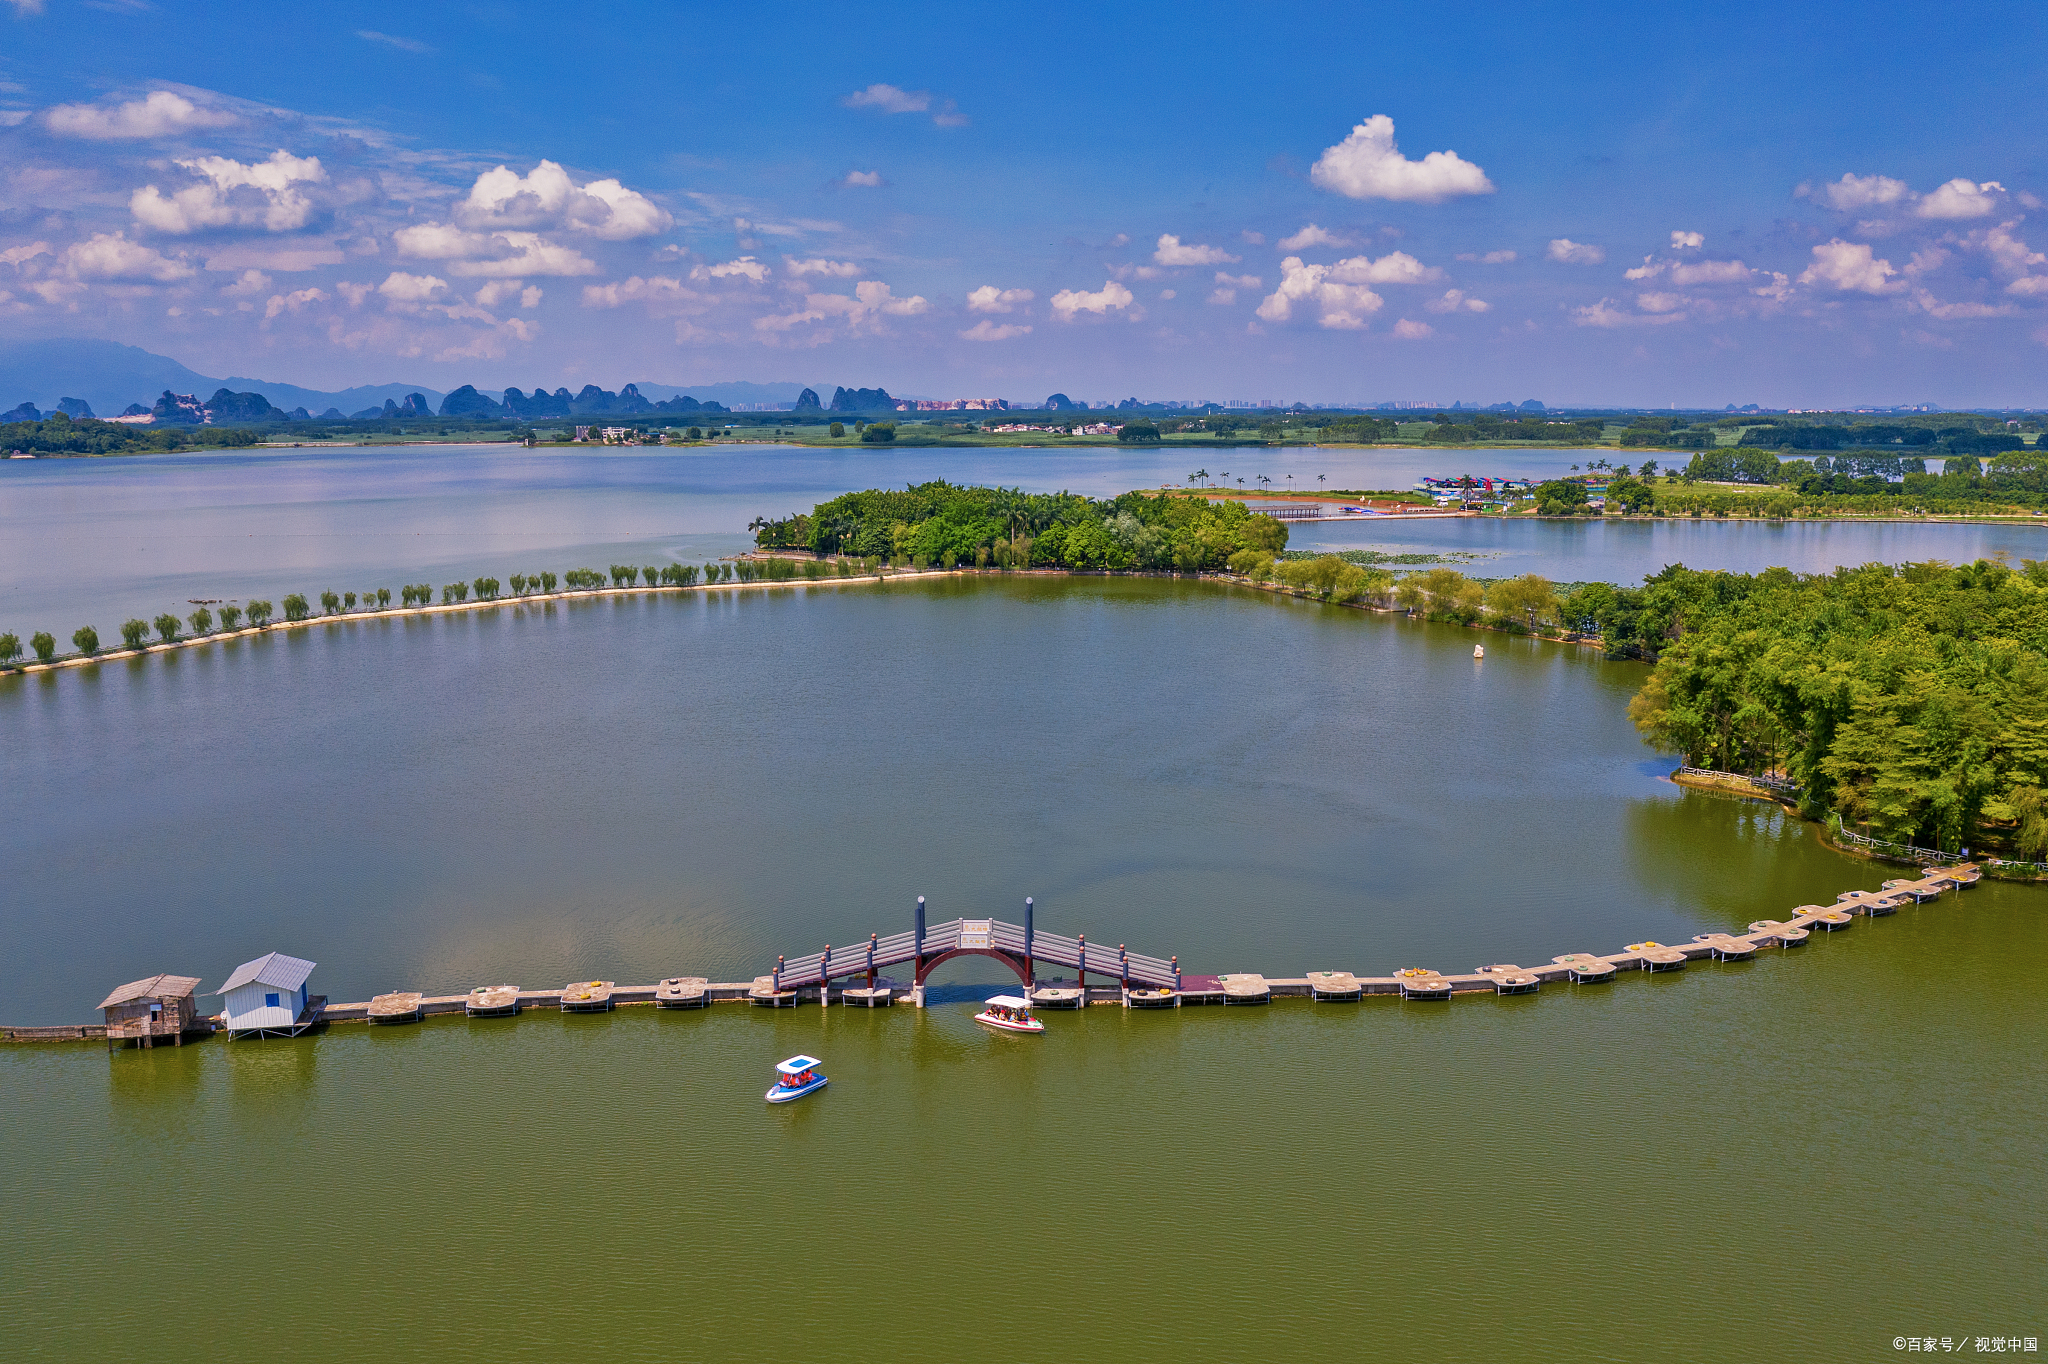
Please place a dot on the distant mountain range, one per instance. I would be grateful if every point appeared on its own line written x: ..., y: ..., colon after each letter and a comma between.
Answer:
x: 109, y: 377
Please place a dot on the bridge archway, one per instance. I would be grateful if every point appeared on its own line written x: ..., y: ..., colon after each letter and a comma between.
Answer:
x: 1011, y: 960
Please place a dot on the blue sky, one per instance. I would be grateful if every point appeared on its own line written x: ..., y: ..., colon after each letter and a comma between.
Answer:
x: 1583, y: 204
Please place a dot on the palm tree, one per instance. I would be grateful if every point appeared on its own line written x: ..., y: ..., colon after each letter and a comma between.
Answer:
x: 1201, y: 474
x: 1319, y: 479
x: 1240, y: 482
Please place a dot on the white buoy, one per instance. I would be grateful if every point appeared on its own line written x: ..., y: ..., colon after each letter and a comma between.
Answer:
x: 1479, y: 651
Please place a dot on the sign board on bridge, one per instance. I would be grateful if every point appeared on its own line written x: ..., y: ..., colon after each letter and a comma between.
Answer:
x: 977, y: 932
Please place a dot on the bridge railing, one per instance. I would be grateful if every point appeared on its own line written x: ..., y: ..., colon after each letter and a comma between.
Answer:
x: 1054, y: 948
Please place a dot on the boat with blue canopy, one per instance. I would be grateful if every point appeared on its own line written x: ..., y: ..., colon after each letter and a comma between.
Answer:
x: 796, y: 1077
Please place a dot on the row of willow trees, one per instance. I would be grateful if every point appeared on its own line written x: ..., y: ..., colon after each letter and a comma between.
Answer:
x: 943, y: 524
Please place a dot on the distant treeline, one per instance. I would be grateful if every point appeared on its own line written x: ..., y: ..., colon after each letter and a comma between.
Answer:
x: 60, y: 435
x: 940, y: 523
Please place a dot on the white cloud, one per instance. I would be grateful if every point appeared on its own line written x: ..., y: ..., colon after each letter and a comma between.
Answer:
x: 1223, y: 296
x: 414, y: 45
x: 1413, y: 331
x: 111, y: 256
x: 158, y: 114
x: 1778, y: 290
x: 746, y: 267
x: 1396, y: 267
x: 275, y: 199
x: 1111, y: 297
x: 655, y: 289
x: 2031, y: 286
x: 989, y: 299
x: 288, y: 257
x: 292, y: 302
x: 1605, y: 314
x: 499, y: 289
x: 530, y: 296
x: 401, y: 287
x: 1172, y: 251
x: 1576, y: 253
x: 1649, y: 269
x: 871, y: 299
x: 1961, y: 198
x: 863, y: 179
x: 1687, y: 241
x: 1312, y: 235
x: 1660, y: 302
x: 507, y: 255
x: 1710, y: 272
x: 891, y: 99
x: 1852, y: 192
x: 353, y: 292
x: 1957, y: 312
x: 1848, y: 266
x: 1238, y: 281
x: 16, y: 255
x: 1339, y: 305
x: 24, y: 8
x: 1253, y: 238
x: 1367, y: 165
x: 251, y: 282
x: 2009, y: 255
x: 1169, y: 293
x: 838, y: 269
x: 546, y: 198
x: 986, y: 330
x: 1489, y: 258
x: 1456, y: 300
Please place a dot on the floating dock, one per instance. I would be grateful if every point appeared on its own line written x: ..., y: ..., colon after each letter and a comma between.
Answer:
x: 1141, y: 982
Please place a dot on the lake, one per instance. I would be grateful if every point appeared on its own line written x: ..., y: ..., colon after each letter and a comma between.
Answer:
x: 1804, y: 1156
x: 94, y: 541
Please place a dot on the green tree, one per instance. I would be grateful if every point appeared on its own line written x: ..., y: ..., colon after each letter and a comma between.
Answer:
x: 330, y: 603
x: 547, y: 582
x: 1529, y: 601
x: 1561, y: 497
x: 383, y: 597
x: 259, y: 612
x: 1134, y: 433
x: 838, y: 430
x: 135, y: 633
x: 167, y: 627
x: 230, y: 617
x: 10, y: 648
x: 86, y: 639
x: 202, y: 621
x: 487, y: 589
x: 518, y: 584
x: 880, y: 433
x: 44, y: 644
x: 651, y: 576
x: 294, y: 606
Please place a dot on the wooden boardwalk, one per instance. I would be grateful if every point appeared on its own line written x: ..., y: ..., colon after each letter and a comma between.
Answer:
x: 1140, y: 980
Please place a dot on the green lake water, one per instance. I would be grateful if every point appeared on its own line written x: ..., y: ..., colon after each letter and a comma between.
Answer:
x: 1804, y: 1156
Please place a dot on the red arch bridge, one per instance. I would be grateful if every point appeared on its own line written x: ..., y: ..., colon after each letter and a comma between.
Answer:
x: 1018, y: 946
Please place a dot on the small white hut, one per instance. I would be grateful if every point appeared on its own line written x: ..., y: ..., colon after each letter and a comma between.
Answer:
x: 268, y: 995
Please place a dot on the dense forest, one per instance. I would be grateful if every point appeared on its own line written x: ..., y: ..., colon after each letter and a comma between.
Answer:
x: 940, y: 523
x: 1910, y: 700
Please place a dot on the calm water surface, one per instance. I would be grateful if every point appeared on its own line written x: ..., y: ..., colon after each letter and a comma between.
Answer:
x: 1800, y: 1157
x: 96, y: 541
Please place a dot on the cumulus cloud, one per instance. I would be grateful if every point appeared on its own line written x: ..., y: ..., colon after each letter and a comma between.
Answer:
x: 547, y: 199
x: 1958, y: 312
x: 1340, y: 306
x: 986, y: 330
x: 1413, y: 331
x: 1111, y: 297
x: 158, y: 114
x: 111, y: 256
x: 1649, y: 269
x: 1852, y: 192
x: 1396, y: 267
x: 1661, y: 302
x: 1172, y: 251
x: 1605, y: 314
x: 1457, y: 300
x: 655, y: 290
x: 1238, y: 281
x: 891, y: 99
x: 989, y: 299
x: 1253, y: 238
x: 837, y: 269
x: 1687, y: 241
x: 1849, y: 267
x: 487, y: 254
x: 871, y: 300
x: 267, y: 194
x: 2009, y: 255
x: 1367, y: 165
x: 1961, y: 198
x: 251, y: 282
x: 1710, y: 272
x: 1576, y: 253
x: 18, y: 255
x: 1488, y: 258
x: 1223, y: 296
x: 746, y: 267
x: 1311, y: 235
x: 863, y: 179
x: 498, y: 290
x: 293, y: 302
x: 401, y: 287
